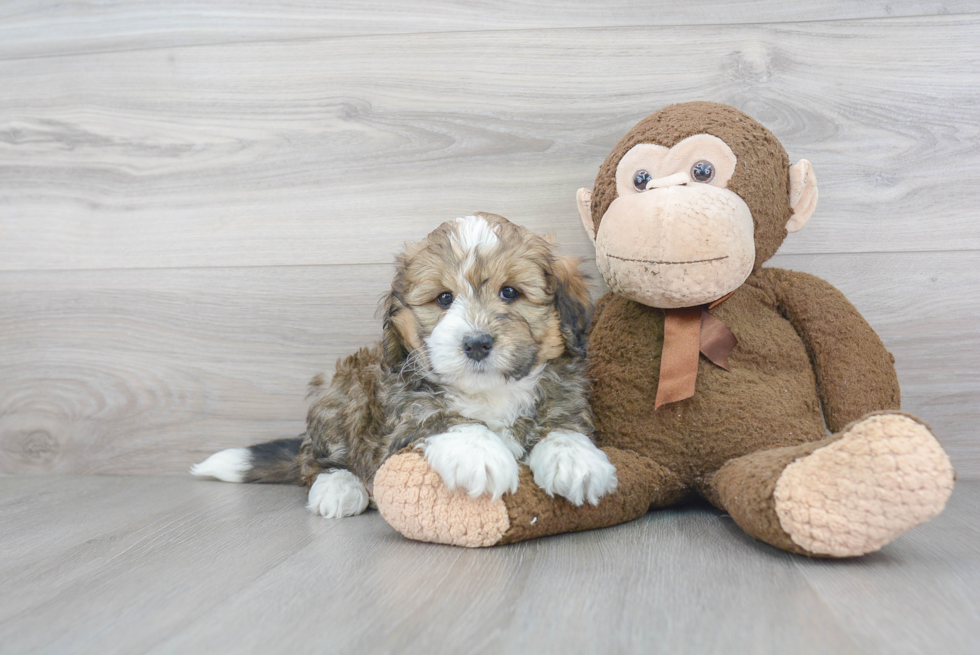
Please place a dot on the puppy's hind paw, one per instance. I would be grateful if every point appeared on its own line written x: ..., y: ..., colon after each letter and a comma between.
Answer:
x: 336, y: 494
x: 568, y: 464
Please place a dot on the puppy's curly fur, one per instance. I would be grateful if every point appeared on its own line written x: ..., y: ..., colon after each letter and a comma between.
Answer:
x: 482, y: 357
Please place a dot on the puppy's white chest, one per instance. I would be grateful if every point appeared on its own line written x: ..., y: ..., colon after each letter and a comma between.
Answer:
x: 499, y: 406
x: 497, y: 412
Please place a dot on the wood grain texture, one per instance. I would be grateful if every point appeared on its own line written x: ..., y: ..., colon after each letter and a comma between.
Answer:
x: 338, y: 150
x: 167, y: 565
x: 199, y: 203
x: 150, y: 370
x: 38, y: 28
x: 138, y: 371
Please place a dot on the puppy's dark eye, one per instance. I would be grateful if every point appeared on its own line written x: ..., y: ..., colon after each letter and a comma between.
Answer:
x: 641, y: 179
x: 702, y: 171
x: 509, y: 294
x: 444, y: 299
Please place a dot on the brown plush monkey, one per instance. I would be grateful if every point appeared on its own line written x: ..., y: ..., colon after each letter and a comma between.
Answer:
x: 789, y: 421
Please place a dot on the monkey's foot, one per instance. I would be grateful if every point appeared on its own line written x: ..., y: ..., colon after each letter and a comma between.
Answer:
x: 413, y: 499
x: 885, y: 475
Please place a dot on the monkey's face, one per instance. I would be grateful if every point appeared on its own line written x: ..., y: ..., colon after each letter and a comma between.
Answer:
x: 676, y: 236
x: 691, y: 201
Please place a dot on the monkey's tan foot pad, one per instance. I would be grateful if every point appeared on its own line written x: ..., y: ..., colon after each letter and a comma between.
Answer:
x: 885, y: 475
x: 413, y: 499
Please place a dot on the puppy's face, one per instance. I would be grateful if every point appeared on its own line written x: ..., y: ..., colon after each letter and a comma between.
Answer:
x: 482, y: 300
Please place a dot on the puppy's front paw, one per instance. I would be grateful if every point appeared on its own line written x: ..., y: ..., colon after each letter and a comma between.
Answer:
x: 568, y: 464
x: 337, y: 494
x: 472, y: 458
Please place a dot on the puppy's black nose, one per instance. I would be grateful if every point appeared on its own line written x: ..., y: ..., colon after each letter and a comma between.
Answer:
x: 477, y: 346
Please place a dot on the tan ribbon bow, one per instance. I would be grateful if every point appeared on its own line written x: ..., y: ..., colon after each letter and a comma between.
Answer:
x: 689, y: 331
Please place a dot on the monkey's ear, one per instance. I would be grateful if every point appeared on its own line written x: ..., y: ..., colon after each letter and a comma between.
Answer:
x: 584, y: 200
x: 802, y: 194
x: 573, y: 303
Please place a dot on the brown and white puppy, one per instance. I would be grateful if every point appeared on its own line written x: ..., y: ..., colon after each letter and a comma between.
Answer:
x: 481, y: 364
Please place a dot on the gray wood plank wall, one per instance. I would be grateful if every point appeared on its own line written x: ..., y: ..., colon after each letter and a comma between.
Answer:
x: 199, y: 203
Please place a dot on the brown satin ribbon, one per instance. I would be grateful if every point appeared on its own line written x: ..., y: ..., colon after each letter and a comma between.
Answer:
x: 689, y: 331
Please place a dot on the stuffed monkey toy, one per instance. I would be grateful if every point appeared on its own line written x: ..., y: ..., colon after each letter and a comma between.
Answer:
x: 759, y: 389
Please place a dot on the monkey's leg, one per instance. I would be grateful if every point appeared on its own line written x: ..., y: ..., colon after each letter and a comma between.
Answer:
x: 846, y: 495
x: 414, y: 501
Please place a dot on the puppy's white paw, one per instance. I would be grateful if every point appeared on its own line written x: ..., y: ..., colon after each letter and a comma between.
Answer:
x: 472, y: 458
x: 568, y: 464
x: 337, y: 494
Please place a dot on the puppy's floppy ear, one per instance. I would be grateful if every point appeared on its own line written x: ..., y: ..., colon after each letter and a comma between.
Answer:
x: 573, y: 303
x: 392, y: 344
x: 399, y: 328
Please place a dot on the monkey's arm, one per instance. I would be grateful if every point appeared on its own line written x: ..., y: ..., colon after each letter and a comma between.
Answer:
x: 414, y: 500
x: 855, y: 374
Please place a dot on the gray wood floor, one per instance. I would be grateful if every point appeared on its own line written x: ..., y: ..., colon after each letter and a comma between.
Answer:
x: 172, y: 565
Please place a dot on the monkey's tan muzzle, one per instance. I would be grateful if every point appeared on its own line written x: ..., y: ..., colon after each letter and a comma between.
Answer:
x: 676, y: 246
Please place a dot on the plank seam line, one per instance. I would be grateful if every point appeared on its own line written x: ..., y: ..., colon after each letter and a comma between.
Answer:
x: 391, y: 263
x: 942, y: 17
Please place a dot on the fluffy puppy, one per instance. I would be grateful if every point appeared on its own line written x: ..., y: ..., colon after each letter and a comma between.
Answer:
x: 481, y: 364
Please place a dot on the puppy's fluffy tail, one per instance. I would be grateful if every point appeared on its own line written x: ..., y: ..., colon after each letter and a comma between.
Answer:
x: 273, y: 462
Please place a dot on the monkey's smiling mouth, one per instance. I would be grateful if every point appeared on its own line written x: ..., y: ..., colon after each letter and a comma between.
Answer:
x: 651, y: 261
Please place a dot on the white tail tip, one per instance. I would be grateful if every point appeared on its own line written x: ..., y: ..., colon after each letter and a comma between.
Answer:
x: 229, y: 465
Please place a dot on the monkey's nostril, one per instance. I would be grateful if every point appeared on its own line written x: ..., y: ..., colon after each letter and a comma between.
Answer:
x: 477, y: 346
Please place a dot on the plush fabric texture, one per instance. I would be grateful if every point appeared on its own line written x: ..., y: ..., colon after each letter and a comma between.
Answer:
x: 802, y: 194
x: 535, y: 514
x: 682, y: 227
x: 413, y: 500
x: 744, y: 488
x: 769, y: 399
x: 801, y: 441
x: 884, y: 475
x: 761, y: 159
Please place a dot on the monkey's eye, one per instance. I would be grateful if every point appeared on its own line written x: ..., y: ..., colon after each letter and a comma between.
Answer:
x: 444, y: 299
x: 702, y: 171
x: 641, y: 179
x: 509, y: 294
